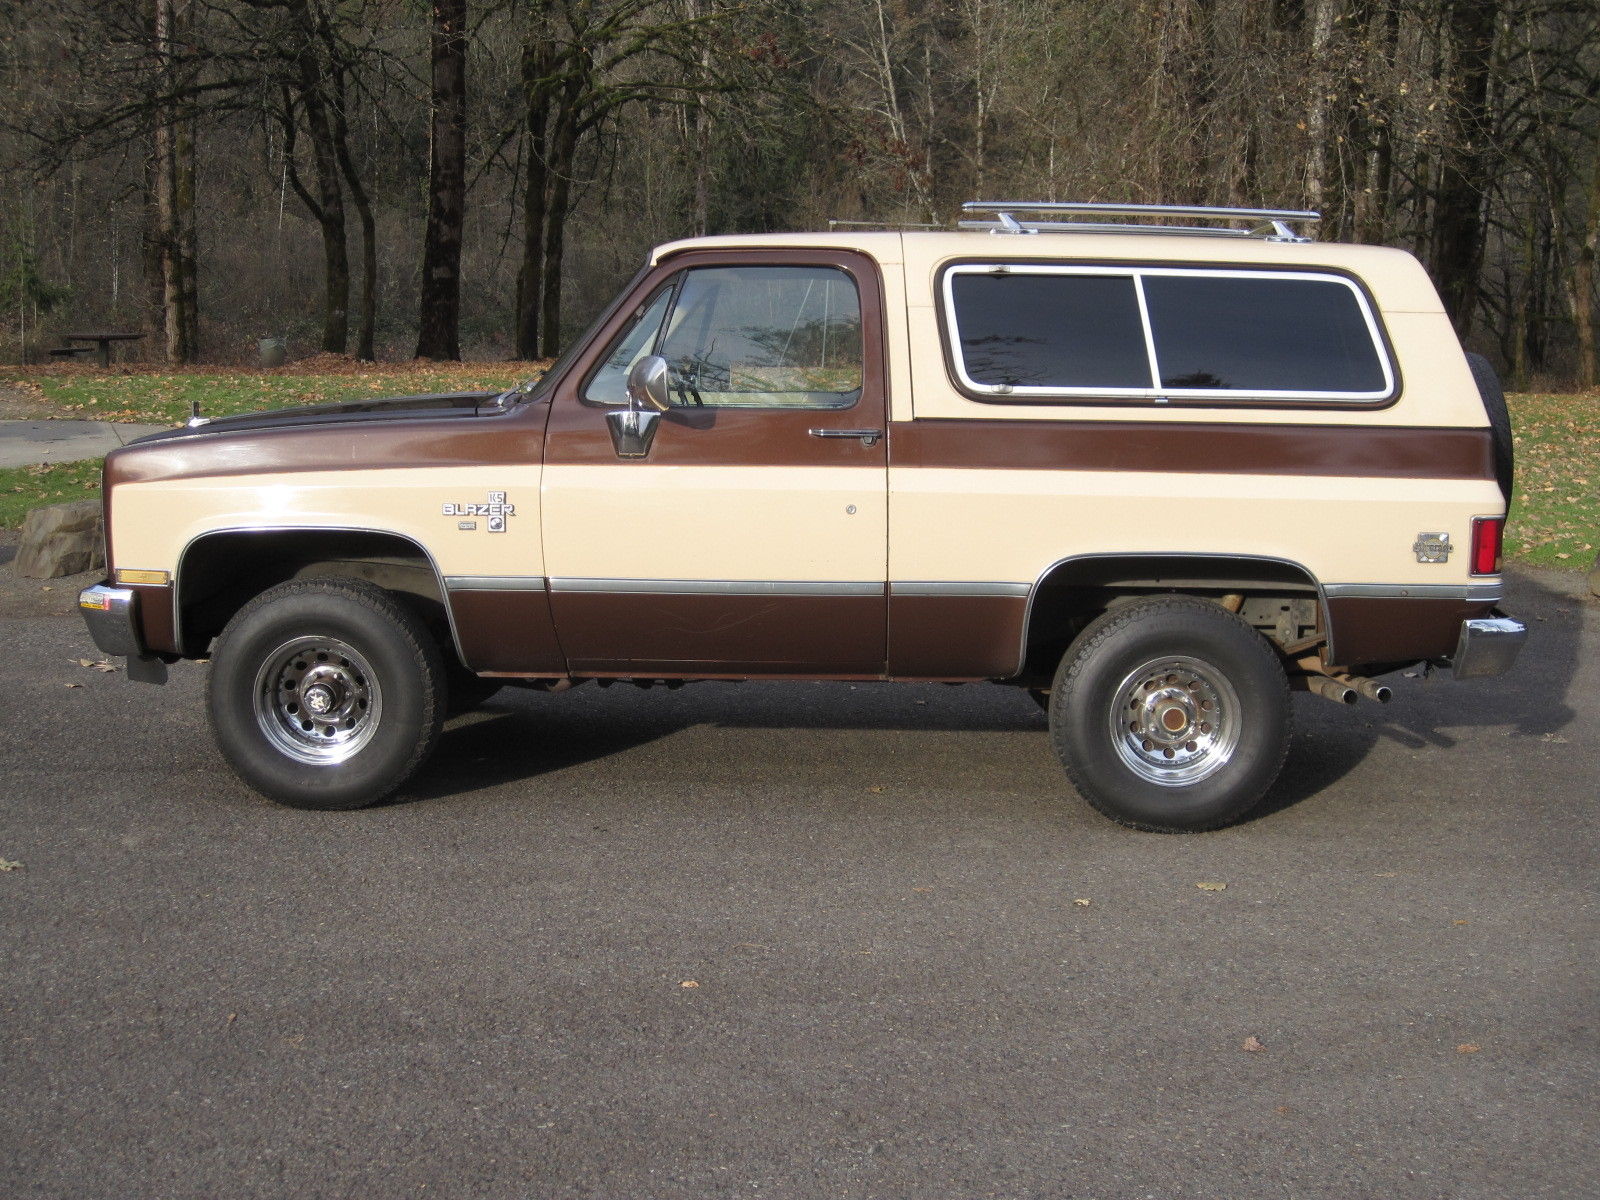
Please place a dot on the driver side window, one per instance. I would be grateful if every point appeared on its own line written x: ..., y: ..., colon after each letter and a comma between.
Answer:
x: 746, y: 337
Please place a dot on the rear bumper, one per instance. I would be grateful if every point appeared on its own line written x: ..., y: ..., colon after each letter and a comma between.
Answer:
x: 111, y: 613
x: 1488, y: 646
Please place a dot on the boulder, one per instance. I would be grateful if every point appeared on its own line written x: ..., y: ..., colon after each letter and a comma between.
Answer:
x: 61, y: 539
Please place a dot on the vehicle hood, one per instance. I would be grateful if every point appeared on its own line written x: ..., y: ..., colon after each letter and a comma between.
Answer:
x: 428, y: 405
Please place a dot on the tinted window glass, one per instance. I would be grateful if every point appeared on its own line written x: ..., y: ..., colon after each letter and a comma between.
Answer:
x: 1059, y: 331
x: 765, y: 337
x: 1269, y: 335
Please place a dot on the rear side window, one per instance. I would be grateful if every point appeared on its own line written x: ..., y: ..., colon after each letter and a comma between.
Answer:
x: 1035, y: 331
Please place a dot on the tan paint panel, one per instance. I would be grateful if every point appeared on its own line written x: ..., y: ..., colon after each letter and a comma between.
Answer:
x: 753, y: 523
x: 156, y: 520
x: 1010, y: 526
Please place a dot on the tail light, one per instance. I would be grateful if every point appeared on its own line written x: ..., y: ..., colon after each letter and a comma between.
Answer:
x: 1487, y: 533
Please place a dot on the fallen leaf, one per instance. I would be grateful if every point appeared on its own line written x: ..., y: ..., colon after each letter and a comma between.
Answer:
x: 1468, y: 1048
x: 232, y: 1017
x: 923, y: 888
x: 1081, y: 903
x: 72, y: 685
x: 689, y: 983
x: 1460, y: 922
x: 877, y: 787
x: 1252, y: 1044
x: 8, y: 865
x: 1212, y: 887
x: 1283, y: 1110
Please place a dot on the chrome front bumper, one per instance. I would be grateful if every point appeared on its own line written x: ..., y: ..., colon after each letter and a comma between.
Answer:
x: 111, y: 615
x: 1488, y: 646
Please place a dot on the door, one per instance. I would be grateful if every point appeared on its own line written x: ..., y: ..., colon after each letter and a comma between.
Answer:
x: 750, y: 537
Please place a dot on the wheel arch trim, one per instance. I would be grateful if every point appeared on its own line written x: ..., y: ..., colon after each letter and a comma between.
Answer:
x: 1208, y: 558
x: 422, y: 551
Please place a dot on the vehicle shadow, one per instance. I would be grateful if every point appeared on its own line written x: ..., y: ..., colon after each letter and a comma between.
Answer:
x: 524, y: 735
x: 1531, y: 701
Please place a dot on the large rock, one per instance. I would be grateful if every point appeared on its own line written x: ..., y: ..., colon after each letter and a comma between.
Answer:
x: 61, y: 539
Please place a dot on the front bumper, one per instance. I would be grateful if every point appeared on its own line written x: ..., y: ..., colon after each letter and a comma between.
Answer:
x: 111, y: 613
x: 1488, y: 646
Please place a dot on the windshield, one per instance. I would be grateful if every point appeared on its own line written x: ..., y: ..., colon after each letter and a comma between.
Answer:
x: 535, y: 389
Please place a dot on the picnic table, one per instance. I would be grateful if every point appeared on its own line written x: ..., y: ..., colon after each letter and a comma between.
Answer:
x: 104, y: 339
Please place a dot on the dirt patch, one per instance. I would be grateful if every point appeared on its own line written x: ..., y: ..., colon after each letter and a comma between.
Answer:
x: 22, y: 402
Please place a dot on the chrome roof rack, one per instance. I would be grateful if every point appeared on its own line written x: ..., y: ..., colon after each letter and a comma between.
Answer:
x: 1271, y: 224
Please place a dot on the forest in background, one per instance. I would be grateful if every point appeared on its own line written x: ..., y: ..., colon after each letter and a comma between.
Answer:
x: 386, y: 178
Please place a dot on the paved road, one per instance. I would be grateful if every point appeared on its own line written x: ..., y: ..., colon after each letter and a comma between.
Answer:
x: 484, y: 990
x: 23, y: 443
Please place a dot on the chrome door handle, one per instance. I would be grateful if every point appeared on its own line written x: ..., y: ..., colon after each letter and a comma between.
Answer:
x: 869, y: 437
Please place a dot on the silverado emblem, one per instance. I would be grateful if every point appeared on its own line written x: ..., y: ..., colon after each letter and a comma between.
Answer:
x: 1432, y: 547
x: 496, y: 510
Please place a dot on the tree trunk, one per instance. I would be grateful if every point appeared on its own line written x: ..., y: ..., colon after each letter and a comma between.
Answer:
x: 155, y: 311
x: 329, y: 211
x: 439, y: 332
x: 537, y: 65
x: 1324, y: 15
x: 186, y: 246
x: 564, y: 155
x: 1583, y: 280
x: 1457, y: 243
x: 367, y: 315
x: 168, y: 245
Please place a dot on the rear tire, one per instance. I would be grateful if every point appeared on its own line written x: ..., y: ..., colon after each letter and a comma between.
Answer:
x: 1170, y: 714
x: 325, y: 693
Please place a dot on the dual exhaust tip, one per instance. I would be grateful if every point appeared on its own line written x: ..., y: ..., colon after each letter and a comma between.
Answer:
x: 1346, y: 689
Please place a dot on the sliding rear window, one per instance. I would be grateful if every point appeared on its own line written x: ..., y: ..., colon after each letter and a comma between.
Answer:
x: 1027, y: 331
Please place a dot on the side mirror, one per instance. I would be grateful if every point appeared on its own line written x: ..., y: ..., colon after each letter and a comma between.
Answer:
x: 647, y: 384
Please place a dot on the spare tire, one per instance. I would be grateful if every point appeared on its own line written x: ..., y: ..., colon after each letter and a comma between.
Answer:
x: 1494, y: 406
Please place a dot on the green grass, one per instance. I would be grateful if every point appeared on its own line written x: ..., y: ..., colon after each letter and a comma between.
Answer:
x: 22, y: 488
x: 1555, y: 508
x: 1555, y: 514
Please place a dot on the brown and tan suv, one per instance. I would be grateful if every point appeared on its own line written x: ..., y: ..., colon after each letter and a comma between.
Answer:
x: 1157, y: 476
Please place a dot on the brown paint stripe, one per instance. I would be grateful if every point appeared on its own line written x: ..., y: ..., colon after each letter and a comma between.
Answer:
x: 1394, y: 629
x: 1194, y: 447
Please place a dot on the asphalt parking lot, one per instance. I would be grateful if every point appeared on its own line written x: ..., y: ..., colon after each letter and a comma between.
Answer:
x: 798, y: 940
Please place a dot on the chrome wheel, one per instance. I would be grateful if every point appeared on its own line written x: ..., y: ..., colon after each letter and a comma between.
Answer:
x: 1175, y: 721
x: 317, y: 700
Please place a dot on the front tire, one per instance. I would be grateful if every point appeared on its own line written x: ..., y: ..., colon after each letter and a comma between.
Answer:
x: 1170, y: 714
x: 325, y: 693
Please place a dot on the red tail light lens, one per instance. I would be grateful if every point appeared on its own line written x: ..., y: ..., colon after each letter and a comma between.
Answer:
x: 1487, y: 533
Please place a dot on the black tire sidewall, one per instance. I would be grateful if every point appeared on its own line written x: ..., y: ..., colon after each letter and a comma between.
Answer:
x: 394, y: 648
x: 1094, y: 668
x: 1495, y: 408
